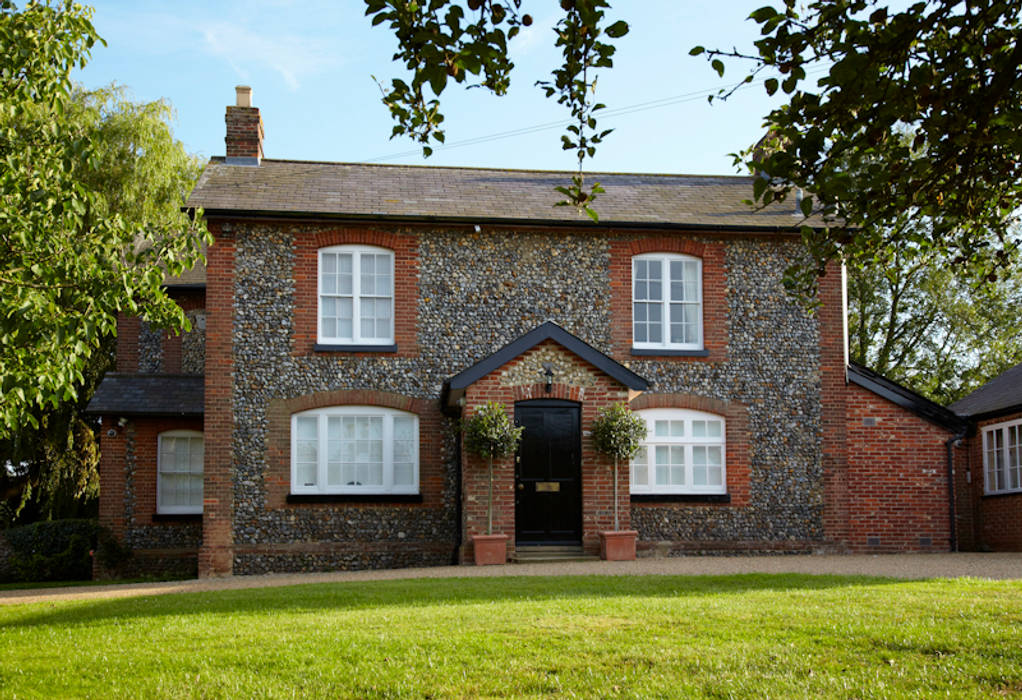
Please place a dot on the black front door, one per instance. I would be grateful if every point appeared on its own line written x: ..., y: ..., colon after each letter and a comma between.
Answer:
x: 548, y: 484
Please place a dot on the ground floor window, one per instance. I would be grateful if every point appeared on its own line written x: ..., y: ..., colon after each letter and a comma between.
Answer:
x: 353, y: 450
x: 683, y: 453
x: 1002, y: 457
x: 179, y: 472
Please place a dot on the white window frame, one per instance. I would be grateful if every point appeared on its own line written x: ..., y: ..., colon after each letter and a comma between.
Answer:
x: 321, y: 486
x: 175, y: 510
x: 1002, y: 457
x: 687, y: 442
x: 356, y: 251
x: 665, y: 260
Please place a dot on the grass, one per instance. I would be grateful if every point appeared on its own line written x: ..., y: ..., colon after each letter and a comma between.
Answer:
x: 28, y: 585
x: 656, y: 636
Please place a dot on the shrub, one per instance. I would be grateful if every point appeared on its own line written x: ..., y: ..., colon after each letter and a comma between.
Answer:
x: 57, y: 550
x: 490, y: 433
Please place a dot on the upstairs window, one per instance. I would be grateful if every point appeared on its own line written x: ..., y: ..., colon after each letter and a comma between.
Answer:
x: 667, y: 306
x: 683, y: 453
x: 356, y: 296
x: 1002, y: 457
x: 179, y: 461
x: 354, y: 450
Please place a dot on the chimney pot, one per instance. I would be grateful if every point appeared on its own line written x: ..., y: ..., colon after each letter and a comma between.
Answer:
x: 244, y: 95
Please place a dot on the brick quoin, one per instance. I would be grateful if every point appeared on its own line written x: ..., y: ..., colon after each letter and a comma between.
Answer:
x: 597, y: 469
x: 897, y: 478
x: 832, y: 396
x: 216, y: 556
x: 278, y: 448
x: 405, y: 247
x: 712, y: 253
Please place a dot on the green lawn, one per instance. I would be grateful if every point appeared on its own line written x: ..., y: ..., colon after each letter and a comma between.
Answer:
x: 729, y: 636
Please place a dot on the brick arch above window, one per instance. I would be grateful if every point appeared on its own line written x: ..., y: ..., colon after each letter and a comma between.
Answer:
x: 681, y: 246
x: 405, y: 249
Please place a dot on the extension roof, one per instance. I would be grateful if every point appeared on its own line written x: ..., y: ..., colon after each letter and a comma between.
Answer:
x: 122, y: 394
x: 904, y: 397
x: 356, y: 191
x: 1002, y: 394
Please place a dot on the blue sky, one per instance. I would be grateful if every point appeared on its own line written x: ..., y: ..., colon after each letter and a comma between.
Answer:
x: 310, y: 65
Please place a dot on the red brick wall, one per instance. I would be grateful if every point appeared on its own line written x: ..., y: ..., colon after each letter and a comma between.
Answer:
x: 112, y: 473
x: 216, y: 557
x: 127, y: 343
x: 714, y: 291
x: 736, y: 441
x: 597, y: 469
x: 406, y: 282
x: 897, y: 478
x: 278, y: 472
x: 997, y: 519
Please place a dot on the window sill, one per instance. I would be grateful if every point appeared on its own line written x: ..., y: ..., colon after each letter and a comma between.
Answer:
x: 354, y: 348
x: 1001, y: 494
x: 681, y: 498
x: 651, y: 352
x: 177, y: 517
x: 354, y: 498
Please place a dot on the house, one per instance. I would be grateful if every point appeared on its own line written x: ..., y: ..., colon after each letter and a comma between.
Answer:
x: 989, y: 465
x: 349, y: 315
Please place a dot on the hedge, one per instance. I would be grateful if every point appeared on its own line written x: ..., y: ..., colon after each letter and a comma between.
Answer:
x: 56, y: 550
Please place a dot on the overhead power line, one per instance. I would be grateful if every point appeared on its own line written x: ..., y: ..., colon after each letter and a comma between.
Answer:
x: 603, y: 114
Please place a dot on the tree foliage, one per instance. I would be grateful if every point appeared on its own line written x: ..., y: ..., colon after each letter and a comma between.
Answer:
x: 618, y: 432
x: 467, y: 42
x: 74, y: 249
x: 138, y: 175
x: 944, y: 70
x: 930, y: 328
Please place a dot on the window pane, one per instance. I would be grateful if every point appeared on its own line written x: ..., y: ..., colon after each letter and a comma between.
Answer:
x: 698, y: 428
x: 402, y: 428
x: 328, y: 283
x: 661, y: 428
x: 403, y: 474
x: 344, y: 283
x: 677, y: 428
x: 306, y: 474
x: 329, y: 263
x: 307, y: 428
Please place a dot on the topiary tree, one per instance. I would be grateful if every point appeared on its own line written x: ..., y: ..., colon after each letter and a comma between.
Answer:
x: 618, y: 432
x: 490, y: 433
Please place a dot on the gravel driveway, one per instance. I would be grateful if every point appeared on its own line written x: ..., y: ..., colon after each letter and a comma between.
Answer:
x: 990, y: 566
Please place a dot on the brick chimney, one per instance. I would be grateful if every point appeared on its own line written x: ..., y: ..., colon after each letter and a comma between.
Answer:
x: 244, y: 130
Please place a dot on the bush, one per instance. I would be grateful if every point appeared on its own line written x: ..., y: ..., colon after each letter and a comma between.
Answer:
x: 53, y: 550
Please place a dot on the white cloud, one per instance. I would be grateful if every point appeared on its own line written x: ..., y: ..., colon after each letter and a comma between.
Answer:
x: 293, y: 57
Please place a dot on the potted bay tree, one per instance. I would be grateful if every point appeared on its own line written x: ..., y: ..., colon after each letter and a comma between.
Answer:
x: 618, y: 432
x: 490, y: 433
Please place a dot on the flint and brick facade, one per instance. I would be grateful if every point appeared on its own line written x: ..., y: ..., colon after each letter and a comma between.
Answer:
x: 803, y: 474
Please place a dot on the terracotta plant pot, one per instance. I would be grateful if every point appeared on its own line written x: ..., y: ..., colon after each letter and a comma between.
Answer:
x: 489, y: 549
x: 618, y: 545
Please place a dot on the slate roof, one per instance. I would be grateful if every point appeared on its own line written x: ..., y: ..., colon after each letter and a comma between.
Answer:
x: 479, y: 195
x: 149, y: 395
x: 904, y: 397
x: 1002, y: 394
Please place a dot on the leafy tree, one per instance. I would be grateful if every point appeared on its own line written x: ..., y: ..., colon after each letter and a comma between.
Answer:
x: 138, y: 175
x: 930, y: 327
x: 490, y: 433
x: 83, y: 234
x: 467, y: 42
x: 618, y: 432
x: 945, y: 70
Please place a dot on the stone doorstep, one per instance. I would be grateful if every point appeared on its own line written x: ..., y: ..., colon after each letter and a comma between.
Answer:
x: 530, y: 555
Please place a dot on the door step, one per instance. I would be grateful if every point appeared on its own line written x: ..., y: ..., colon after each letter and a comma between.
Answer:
x: 531, y: 555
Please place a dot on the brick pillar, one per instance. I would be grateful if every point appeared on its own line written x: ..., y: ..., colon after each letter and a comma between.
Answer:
x: 833, y: 396
x: 216, y: 555
x: 244, y: 129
